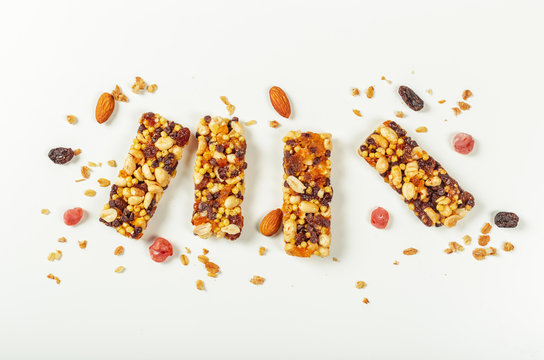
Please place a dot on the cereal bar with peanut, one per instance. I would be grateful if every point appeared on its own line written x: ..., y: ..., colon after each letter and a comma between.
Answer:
x: 151, y: 163
x: 219, y: 178
x: 307, y: 193
x: 430, y: 192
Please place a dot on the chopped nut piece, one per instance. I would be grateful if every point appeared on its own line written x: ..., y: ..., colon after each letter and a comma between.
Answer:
x: 257, y: 280
x: 410, y: 251
x: 77, y: 152
x: 58, y: 255
x: 486, y: 228
x: 334, y: 259
x: 92, y: 164
x: 212, y: 268
x: 85, y: 172
x: 89, y: 193
x: 274, y: 124
x: 399, y: 114
x: 82, y: 244
x: 152, y: 88
x: 508, y: 246
x: 448, y: 251
x: 112, y: 163
x: 466, y: 94
x: 429, y: 91
x: 483, y: 240
x: 357, y: 112
x: 205, y: 251
x: 360, y: 284
x: 61, y: 239
x: 467, y: 239
x: 262, y: 250
x: 55, y: 255
x: 395, y: 262
x: 463, y: 105
x: 188, y: 250
x: 46, y: 211
x: 441, y: 101
x: 119, y: 250
x: 184, y: 259
x: 354, y: 92
x: 51, y: 256
x: 118, y: 95
x: 203, y: 259
x: 491, y: 251
x: 421, y: 129
x: 251, y: 122
x: 103, y: 182
x: 57, y: 280
x: 456, y: 111
x: 200, y: 285
x: 479, y: 253
x: 71, y: 119
x: 138, y: 85
x: 365, y: 300
x: 225, y: 100
x: 214, y: 275
x: 230, y: 109
x: 370, y: 92
x: 119, y: 269
x: 50, y: 276
x: 454, y: 246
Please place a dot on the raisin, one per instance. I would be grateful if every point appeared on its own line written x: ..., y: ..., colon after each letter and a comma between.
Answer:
x: 411, y: 99
x: 182, y: 137
x: 379, y: 218
x: 150, y: 151
x: 141, y: 185
x: 506, y: 219
x: 118, y: 203
x: 160, y: 250
x: 149, y: 116
x: 207, y: 119
x: 220, y: 148
x: 322, y: 221
x: 170, y: 163
x: 61, y: 155
x: 141, y: 128
x: 290, y: 142
x: 137, y: 232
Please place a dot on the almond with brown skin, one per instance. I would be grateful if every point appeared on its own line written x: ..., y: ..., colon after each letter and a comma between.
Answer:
x: 280, y: 102
x: 104, y: 107
x: 271, y: 223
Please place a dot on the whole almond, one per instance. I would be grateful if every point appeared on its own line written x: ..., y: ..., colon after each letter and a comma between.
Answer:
x: 104, y: 107
x: 271, y: 222
x: 280, y: 102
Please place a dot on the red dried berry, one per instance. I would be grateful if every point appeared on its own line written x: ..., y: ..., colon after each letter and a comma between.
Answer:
x: 379, y: 218
x: 160, y: 250
x: 73, y: 216
x: 463, y: 143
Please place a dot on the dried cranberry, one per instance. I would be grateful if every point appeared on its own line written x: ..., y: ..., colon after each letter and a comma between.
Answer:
x: 160, y: 250
x: 73, y: 216
x: 463, y: 143
x: 505, y: 219
x: 411, y: 99
x: 379, y: 218
x: 61, y: 155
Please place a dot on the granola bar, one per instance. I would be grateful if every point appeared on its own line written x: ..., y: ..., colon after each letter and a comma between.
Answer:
x: 151, y: 163
x: 307, y: 192
x: 219, y: 178
x: 430, y: 192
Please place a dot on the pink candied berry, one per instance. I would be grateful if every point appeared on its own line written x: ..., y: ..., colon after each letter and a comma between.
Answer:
x: 160, y: 250
x: 379, y: 218
x: 73, y: 216
x: 463, y: 143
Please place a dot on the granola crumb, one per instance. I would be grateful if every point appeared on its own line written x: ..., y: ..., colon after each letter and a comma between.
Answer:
x: 370, y: 92
x: 188, y: 250
x: 354, y: 92
x: 119, y: 269
x: 454, y: 247
x: 77, y: 152
x: 456, y: 111
x: 71, y: 119
x: 421, y: 129
x: 388, y: 81
x: 139, y: 85
x: 466, y: 94
x: 50, y: 276
x: 410, y: 251
x: 203, y: 259
x: 365, y: 300
x: 230, y: 109
x: 184, y: 259
x: 486, y: 228
x: 45, y: 211
x: 357, y: 112
x: 205, y: 251
x: 430, y: 91
x: 152, y: 88
x: 483, y: 240
x: 257, y: 280
x: 212, y: 269
x: 262, y: 250
x: 85, y: 172
x: 82, y: 244
x: 508, y: 247
x: 360, y: 284
x: 463, y: 105
x: 491, y: 251
x: 479, y: 254
x: 200, y: 285
x: 251, y: 122
x: 57, y: 280
x: 399, y: 114
x: 92, y: 164
x: 448, y: 251
x: 89, y: 193
x: 274, y: 124
x: 441, y: 101
x: 61, y: 239
x: 334, y: 259
x: 119, y: 250
x: 118, y: 95
x: 55, y: 256
x: 225, y: 100
x: 395, y: 262
x: 467, y: 239
x: 112, y: 163
x: 80, y: 180
x: 213, y: 275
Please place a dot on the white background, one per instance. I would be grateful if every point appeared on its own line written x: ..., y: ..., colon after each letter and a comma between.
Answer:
x: 57, y: 57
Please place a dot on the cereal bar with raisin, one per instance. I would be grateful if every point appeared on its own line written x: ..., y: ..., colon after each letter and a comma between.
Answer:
x: 151, y: 163
x: 430, y: 192
x: 307, y: 193
x: 219, y: 178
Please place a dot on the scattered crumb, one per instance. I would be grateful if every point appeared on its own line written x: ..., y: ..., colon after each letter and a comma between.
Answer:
x: 251, y: 122
x: 213, y: 269
x: 334, y: 259
x: 230, y: 109
x: 479, y: 254
x: 51, y: 276
x: 71, y: 119
x: 205, y: 251
x: 370, y: 92
x: 200, y: 285
x: 357, y: 112
x: 77, y: 152
x: 152, y: 88
x: 448, y: 251
x: 441, y: 101
x: 274, y: 124
x: 118, y: 95
x: 80, y: 180
x: 429, y: 91
x: 55, y: 256
x: 203, y: 259
x: 224, y: 100
x: 139, y: 85
x: 454, y: 247
x: 354, y: 92
x: 360, y: 284
x: 103, y: 182
x: 486, y: 228
x: 410, y: 251
x: 46, y: 211
x: 89, y: 193
x: 262, y: 250
x: 82, y: 244
x: 119, y: 269
x: 388, y: 81
x: 257, y: 280
x: 463, y: 105
x: 483, y: 240
x: 365, y: 300
x: 467, y: 239
x: 395, y: 262
x: 188, y: 250
x: 119, y: 250
x: 421, y: 129
x: 61, y: 239
x: 112, y: 163
x: 508, y: 247
x: 92, y: 164
x: 456, y: 111
x: 399, y: 114
x: 466, y: 94
x: 184, y: 259
x: 491, y: 251
x: 85, y: 172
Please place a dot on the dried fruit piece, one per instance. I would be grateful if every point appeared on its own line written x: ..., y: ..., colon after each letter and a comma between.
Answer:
x: 370, y: 92
x: 483, y: 240
x: 200, y: 285
x: 410, y: 251
x: 160, y: 250
x: 119, y: 250
x: 479, y: 254
x: 280, y: 102
x: 274, y: 124
x: 61, y: 155
x: 73, y: 216
x: 379, y: 218
x: 354, y: 92
x: 463, y: 105
x: 466, y: 94
x: 257, y: 280
x: 463, y: 143
x: 71, y: 119
x: 505, y: 219
x: 271, y: 223
x: 411, y: 99
x: 104, y: 107
x: 357, y: 112
x: 360, y: 284
x: 508, y: 247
